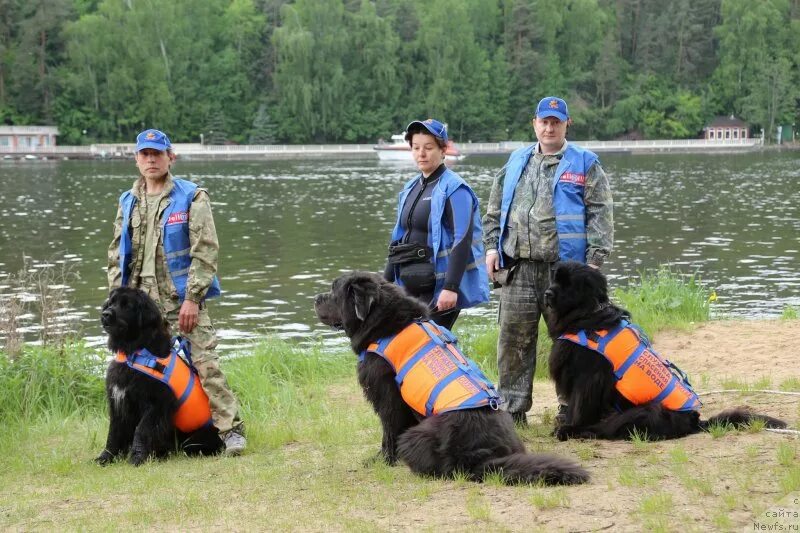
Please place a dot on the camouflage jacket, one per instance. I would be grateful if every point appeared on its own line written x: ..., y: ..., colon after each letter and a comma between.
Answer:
x: 532, y: 221
x: 202, y: 238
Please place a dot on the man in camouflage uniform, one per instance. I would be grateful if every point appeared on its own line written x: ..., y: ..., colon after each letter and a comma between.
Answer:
x: 147, y: 266
x: 552, y: 201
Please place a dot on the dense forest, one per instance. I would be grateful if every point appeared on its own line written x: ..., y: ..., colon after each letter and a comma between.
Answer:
x: 266, y: 71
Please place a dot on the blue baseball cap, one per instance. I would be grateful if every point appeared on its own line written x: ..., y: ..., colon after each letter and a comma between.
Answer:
x: 552, y: 106
x: 155, y: 139
x: 434, y: 127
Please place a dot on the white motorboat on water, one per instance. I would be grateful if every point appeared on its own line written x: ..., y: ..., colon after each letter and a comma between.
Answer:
x: 399, y: 150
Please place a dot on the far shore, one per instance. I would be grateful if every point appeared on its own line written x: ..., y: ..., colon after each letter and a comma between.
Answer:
x: 197, y: 151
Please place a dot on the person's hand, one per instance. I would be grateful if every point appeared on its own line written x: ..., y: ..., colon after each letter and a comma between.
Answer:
x: 187, y: 318
x: 447, y: 300
x: 492, y: 264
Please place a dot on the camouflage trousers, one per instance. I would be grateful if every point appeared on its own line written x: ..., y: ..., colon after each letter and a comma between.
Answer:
x: 224, y: 407
x: 521, y: 307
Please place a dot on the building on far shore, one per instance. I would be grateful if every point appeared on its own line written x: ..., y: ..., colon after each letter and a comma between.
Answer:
x: 726, y: 128
x: 21, y: 138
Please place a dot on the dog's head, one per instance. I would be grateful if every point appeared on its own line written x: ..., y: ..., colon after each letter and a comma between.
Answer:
x: 366, y: 307
x: 575, y: 286
x: 131, y: 320
x: 578, y: 299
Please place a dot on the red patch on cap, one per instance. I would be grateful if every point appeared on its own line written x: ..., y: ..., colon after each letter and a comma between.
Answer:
x: 150, y: 136
x: 553, y: 104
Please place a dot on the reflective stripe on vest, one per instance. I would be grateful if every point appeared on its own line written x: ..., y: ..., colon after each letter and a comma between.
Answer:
x: 569, y: 183
x: 175, y: 231
x: 474, y: 286
x: 193, y: 407
x: 642, y: 375
x: 433, y: 375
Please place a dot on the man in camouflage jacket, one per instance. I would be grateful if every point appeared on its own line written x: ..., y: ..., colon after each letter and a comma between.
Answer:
x: 148, y: 270
x: 551, y: 201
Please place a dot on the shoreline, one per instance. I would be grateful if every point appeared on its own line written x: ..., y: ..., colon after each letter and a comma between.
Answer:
x: 198, y: 152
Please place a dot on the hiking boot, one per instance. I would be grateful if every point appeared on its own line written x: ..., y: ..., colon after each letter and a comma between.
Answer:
x: 234, y: 441
x: 561, y: 417
x: 520, y: 419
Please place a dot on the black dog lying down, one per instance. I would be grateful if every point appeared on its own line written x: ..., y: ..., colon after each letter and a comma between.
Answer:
x: 145, y: 413
x: 645, y: 395
x: 477, y: 440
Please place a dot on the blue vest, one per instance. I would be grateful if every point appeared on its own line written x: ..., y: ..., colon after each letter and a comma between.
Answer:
x: 569, y: 183
x: 175, y: 231
x: 474, y: 286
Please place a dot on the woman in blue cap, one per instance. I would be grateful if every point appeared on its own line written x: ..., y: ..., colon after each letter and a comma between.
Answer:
x: 436, y: 249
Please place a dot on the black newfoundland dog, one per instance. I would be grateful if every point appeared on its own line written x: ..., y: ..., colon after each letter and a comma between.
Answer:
x: 475, y: 441
x: 143, y: 410
x: 580, y: 319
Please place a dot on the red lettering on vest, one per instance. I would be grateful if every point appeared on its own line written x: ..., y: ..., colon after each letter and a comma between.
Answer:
x: 572, y: 177
x: 181, y: 217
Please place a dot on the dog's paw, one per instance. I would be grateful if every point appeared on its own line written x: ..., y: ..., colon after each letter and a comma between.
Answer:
x: 138, y: 459
x: 564, y: 432
x: 104, y: 458
x: 379, y: 457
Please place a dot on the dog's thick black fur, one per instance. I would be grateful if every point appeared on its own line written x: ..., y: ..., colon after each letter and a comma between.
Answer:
x: 141, y: 408
x: 578, y: 299
x: 473, y: 441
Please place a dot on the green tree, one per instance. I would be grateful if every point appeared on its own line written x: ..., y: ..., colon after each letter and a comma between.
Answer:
x: 757, y: 75
x: 263, y: 130
x: 310, y: 81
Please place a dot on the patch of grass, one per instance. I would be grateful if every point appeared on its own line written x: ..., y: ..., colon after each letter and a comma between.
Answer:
x: 549, y: 499
x: 755, y: 426
x: 735, y: 384
x: 584, y: 450
x: 679, y: 456
x: 478, y: 507
x: 720, y: 429
x: 789, y: 479
x: 665, y: 299
x: 752, y: 451
x: 494, y: 479
x: 655, y: 511
x: 722, y: 521
x: 700, y: 485
x: 51, y: 381
x: 630, y: 475
x: 790, y: 312
x: 790, y: 385
x: 787, y: 454
x: 763, y: 383
x: 730, y: 501
x: 639, y: 441
x: 660, y: 503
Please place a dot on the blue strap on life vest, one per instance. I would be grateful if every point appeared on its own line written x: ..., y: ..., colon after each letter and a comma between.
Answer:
x: 143, y: 357
x: 184, y: 346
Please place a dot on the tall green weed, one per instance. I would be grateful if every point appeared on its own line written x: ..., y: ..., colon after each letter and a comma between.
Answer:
x: 665, y: 299
x: 51, y: 380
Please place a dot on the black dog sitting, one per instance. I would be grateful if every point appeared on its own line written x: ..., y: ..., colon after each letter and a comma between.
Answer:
x: 430, y: 438
x: 155, y: 402
x: 604, y: 367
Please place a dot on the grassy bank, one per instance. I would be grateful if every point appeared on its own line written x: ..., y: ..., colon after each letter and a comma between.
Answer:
x: 311, y: 437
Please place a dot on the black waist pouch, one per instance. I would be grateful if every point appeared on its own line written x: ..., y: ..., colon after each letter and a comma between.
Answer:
x: 415, y: 265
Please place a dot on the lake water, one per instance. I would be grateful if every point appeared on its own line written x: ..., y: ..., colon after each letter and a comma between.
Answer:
x: 287, y: 228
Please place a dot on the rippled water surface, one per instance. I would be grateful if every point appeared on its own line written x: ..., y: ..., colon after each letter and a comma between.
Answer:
x: 287, y: 228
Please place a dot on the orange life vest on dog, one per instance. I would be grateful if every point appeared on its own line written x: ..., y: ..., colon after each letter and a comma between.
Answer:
x: 433, y: 375
x: 642, y: 375
x: 193, y: 407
